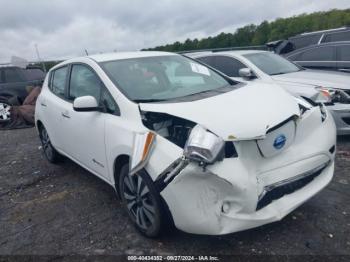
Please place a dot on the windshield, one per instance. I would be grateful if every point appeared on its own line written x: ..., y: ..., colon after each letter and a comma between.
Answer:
x: 162, y: 77
x: 272, y: 64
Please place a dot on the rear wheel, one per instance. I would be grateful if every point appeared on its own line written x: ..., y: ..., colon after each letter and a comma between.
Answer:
x: 49, y: 151
x: 142, y: 202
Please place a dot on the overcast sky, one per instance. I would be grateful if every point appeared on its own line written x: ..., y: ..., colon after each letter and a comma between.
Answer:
x: 64, y: 28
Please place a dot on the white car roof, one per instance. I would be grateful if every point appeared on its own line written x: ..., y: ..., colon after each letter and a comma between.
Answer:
x: 126, y: 55
x: 113, y: 56
x: 242, y: 52
x: 231, y: 52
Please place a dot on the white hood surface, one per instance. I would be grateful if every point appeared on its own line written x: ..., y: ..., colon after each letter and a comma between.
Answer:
x: 317, y: 78
x: 245, y: 113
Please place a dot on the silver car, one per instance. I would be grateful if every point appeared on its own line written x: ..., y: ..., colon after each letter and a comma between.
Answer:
x: 328, y: 87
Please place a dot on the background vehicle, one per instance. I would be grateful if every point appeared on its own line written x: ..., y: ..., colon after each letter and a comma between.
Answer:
x: 262, y: 66
x: 311, y: 38
x: 327, y: 56
x: 181, y: 142
x: 16, y: 83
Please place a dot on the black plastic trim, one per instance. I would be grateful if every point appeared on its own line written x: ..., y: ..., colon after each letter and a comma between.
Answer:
x: 346, y: 120
x: 332, y: 149
x: 163, y: 180
x: 88, y: 109
x: 280, y: 124
x: 286, y: 189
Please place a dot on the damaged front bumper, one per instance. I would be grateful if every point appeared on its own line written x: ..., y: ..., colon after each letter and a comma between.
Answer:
x: 249, y: 190
x: 203, y: 203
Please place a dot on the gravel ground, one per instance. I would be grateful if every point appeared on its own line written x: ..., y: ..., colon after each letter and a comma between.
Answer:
x: 62, y: 209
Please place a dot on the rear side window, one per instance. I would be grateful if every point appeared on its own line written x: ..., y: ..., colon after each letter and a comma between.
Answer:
x: 304, y: 41
x: 58, y: 81
x: 12, y: 75
x: 334, y: 37
x: 343, y: 53
x: 229, y: 66
x: 325, y: 53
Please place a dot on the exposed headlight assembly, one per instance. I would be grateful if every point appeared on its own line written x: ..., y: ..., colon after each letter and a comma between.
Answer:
x: 332, y: 95
x: 203, y: 146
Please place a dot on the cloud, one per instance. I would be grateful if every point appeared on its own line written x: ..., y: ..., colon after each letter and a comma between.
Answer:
x: 64, y: 28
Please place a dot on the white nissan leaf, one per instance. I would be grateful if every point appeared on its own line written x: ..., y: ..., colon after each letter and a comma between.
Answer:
x: 184, y: 145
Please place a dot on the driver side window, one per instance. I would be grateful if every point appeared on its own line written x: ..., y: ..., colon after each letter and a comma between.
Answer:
x: 229, y: 66
x: 85, y: 82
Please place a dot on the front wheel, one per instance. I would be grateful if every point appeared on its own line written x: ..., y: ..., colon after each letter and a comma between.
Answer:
x: 142, y: 202
x: 49, y: 151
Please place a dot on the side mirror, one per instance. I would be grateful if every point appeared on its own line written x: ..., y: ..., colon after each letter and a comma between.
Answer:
x: 85, y: 104
x: 246, y: 73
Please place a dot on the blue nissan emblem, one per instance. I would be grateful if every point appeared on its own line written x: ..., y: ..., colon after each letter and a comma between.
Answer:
x: 280, y: 141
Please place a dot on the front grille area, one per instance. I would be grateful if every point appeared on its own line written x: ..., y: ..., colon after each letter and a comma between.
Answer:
x: 286, y: 189
x: 346, y: 120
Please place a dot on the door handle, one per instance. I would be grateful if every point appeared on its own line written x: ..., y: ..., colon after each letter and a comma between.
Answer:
x: 65, y: 115
x: 344, y: 69
x: 42, y: 104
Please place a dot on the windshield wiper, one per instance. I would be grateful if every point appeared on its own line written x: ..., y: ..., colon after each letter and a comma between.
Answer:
x: 220, y: 90
x: 278, y: 73
x: 282, y: 73
x: 151, y: 100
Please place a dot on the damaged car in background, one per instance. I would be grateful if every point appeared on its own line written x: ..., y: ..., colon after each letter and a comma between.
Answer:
x: 317, y: 86
x: 183, y: 144
x: 19, y: 87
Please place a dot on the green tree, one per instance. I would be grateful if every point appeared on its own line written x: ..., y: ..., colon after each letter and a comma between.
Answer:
x: 281, y: 28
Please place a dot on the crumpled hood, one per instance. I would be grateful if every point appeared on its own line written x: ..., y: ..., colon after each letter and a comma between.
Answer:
x: 317, y: 78
x: 243, y: 113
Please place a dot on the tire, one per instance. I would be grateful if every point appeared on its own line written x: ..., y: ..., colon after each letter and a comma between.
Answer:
x: 142, y: 202
x: 50, y: 152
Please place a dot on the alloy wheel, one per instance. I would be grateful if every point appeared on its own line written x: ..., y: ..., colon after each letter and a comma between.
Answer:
x: 139, y: 201
x: 5, y: 114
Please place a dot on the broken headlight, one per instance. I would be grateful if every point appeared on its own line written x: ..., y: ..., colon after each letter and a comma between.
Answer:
x: 204, y: 146
x: 332, y: 95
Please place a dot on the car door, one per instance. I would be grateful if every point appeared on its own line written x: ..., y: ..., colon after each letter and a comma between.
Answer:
x: 317, y: 58
x: 53, y: 104
x: 343, y: 58
x: 85, y: 136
